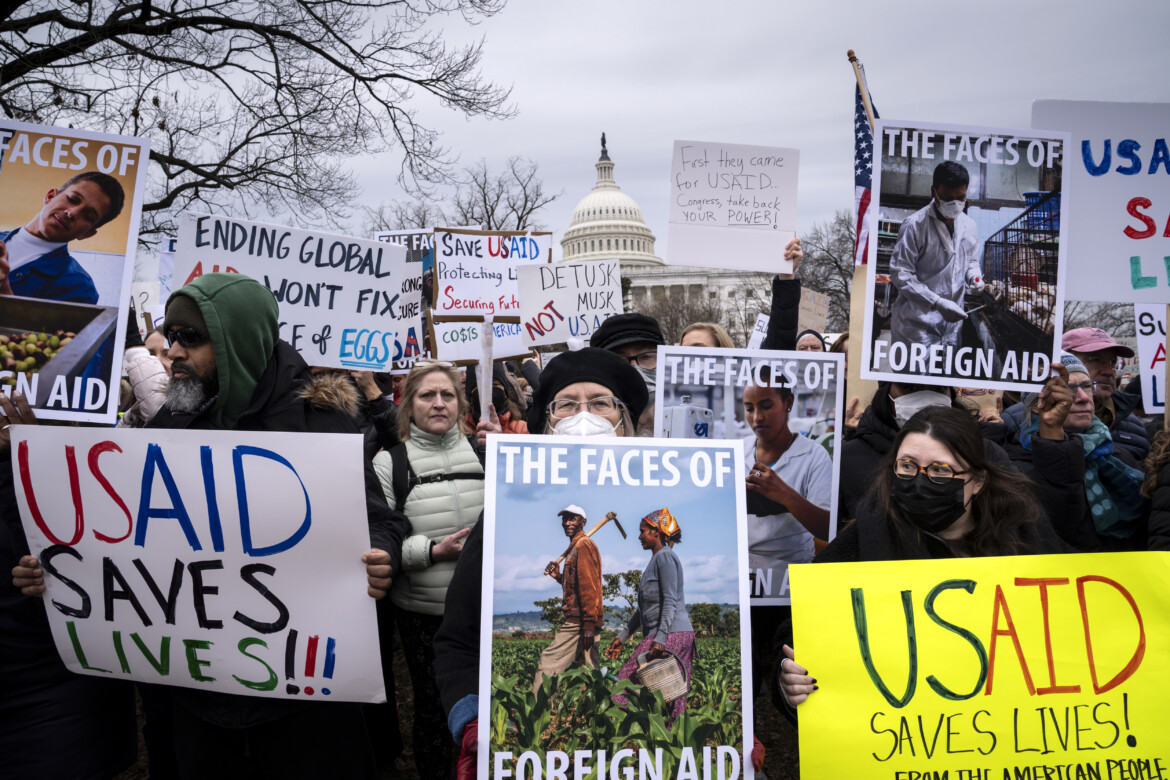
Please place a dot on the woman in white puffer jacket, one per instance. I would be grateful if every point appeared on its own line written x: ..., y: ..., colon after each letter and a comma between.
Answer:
x: 435, y: 476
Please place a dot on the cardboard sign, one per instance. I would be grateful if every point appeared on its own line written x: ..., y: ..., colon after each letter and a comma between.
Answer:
x: 732, y: 206
x: 573, y: 723
x: 166, y: 268
x: 1024, y: 667
x: 703, y: 393
x: 63, y: 326
x: 214, y: 560
x: 814, y: 311
x: 475, y: 270
x: 759, y: 331
x: 1118, y: 188
x: 1150, y: 320
x: 458, y: 341
x: 344, y: 302
x: 565, y: 301
x: 978, y: 302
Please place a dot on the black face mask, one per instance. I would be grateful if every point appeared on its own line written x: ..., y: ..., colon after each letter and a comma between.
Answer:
x: 930, y: 506
x: 498, y: 399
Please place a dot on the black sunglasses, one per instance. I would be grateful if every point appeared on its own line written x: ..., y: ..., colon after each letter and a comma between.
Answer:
x: 185, y: 337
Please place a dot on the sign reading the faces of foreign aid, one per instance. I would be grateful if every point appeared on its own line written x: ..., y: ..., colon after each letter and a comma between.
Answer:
x: 732, y: 206
x: 344, y: 302
x: 70, y: 203
x: 1118, y: 175
x: 213, y: 560
x: 598, y: 551
x: 969, y: 257
x: 765, y: 401
x: 1031, y: 667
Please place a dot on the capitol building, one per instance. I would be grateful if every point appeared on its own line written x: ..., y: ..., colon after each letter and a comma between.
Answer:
x: 607, y: 223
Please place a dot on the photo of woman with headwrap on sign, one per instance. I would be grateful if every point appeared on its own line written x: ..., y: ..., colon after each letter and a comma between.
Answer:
x: 662, y: 611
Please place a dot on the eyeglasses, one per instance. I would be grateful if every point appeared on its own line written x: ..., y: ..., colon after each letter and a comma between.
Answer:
x: 644, y: 359
x: 602, y: 406
x: 427, y: 362
x: 185, y: 337
x: 1088, y: 387
x: 936, y: 472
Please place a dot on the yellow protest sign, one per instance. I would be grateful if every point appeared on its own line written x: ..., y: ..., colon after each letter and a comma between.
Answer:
x: 1022, y: 668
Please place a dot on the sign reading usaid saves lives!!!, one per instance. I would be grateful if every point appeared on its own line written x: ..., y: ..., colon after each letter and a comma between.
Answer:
x: 213, y: 560
x: 345, y: 302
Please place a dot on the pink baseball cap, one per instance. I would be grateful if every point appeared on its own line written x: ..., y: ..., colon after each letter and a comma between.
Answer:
x: 1092, y: 340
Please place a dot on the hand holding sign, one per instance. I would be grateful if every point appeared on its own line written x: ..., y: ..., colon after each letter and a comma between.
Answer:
x: 378, y: 573
x: 792, y: 254
x: 29, y: 577
x: 794, y: 679
x: 1056, y: 400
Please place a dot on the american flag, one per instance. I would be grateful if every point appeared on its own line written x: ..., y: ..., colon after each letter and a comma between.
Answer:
x: 863, y: 157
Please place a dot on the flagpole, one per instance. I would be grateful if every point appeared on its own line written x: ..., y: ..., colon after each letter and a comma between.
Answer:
x: 856, y: 63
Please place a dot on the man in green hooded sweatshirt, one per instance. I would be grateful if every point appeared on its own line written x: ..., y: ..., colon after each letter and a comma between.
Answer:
x: 231, y: 371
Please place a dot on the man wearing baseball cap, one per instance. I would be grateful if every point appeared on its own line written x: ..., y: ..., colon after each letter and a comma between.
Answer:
x: 1101, y: 355
x: 576, y: 639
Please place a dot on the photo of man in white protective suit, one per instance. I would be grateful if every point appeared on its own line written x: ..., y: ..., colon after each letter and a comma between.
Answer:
x: 935, y: 261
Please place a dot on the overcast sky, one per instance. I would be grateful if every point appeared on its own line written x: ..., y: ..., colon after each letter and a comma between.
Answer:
x: 775, y: 73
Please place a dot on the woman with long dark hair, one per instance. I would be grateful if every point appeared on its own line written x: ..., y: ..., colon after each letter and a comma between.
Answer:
x: 936, y: 495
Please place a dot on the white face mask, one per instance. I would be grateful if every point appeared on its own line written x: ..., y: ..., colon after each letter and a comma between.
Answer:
x: 905, y: 406
x: 585, y: 424
x: 950, y: 208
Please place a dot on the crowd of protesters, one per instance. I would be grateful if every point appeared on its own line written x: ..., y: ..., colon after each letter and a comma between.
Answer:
x: 1072, y: 468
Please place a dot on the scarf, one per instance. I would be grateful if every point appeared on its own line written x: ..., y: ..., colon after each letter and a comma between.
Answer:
x: 1112, y: 488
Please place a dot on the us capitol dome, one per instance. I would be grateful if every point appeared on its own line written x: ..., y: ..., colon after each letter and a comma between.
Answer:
x: 608, y: 224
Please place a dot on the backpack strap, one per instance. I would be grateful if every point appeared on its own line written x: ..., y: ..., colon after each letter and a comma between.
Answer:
x: 404, y: 479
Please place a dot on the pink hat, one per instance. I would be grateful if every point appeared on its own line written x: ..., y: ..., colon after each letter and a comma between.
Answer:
x: 1092, y: 340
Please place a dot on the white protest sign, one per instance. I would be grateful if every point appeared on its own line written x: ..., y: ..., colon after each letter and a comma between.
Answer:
x: 414, y: 239
x: 1117, y: 175
x: 704, y: 392
x: 344, y: 302
x: 166, y: 267
x: 218, y: 560
x: 983, y: 306
x: 567, y: 300
x: 475, y: 270
x: 759, y: 331
x: 1150, y: 320
x: 145, y: 294
x: 459, y: 341
x: 732, y: 206
x: 814, y: 311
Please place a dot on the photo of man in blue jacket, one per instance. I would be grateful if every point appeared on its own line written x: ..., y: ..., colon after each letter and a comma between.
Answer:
x: 35, y: 260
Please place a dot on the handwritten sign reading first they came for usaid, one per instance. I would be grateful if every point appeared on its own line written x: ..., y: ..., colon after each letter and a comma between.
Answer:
x: 213, y: 560
x: 567, y: 300
x: 344, y: 302
x: 1037, y: 667
x: 732, y: 206
x: 475, y: 270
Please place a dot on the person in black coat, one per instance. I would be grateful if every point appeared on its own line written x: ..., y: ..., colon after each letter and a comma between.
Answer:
x: 936, y: 495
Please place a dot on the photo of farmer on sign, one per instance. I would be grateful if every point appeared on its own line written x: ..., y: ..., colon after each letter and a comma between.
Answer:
x: 968, y: 259
x: 614, y: 624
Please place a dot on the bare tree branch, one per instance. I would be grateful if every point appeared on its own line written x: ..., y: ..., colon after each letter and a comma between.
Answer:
x: 250, y: 104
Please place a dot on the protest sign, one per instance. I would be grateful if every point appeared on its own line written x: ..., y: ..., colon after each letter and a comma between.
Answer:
x: 814, y: 311
x: 215, y: 560
x: 457, y: 340
x: 759, y: 331
x: 732, y: 206
x: 583, y: 718
x: 567, y: 300
x: 977, y: 301
x: 166, y: 268
x: 781, y: 401
x: 1150, y: 320
x: 419, y: 243
x: 475, y: 270
x: 344, y: 302
x: 1028, y: 667
x: 1118, y: 190
x: 70, y: 203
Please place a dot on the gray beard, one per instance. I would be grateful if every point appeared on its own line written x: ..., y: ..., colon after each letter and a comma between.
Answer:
x: 186, y: 396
